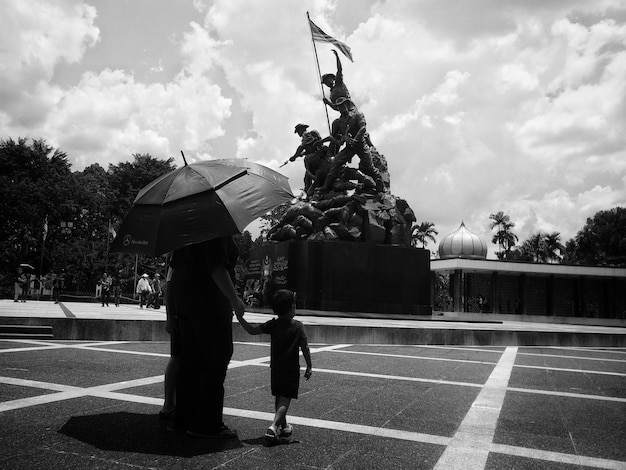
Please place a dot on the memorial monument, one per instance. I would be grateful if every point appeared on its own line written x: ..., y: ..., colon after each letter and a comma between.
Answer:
x: 345, y: 244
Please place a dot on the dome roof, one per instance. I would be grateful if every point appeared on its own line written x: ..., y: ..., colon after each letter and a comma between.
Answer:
x: 463, y: 244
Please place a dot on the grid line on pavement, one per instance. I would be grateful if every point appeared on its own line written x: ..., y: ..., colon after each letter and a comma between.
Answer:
x: 485, y: 404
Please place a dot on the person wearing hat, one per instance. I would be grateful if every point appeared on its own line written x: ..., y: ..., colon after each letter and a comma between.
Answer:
x: 300, y: 129
x: 335, y: 82
x: 307, y: 138
x: 317, y: 158
x: 350, y: 129
x: 154, y: 299
x: 143, y: 289
x: 105, y: 286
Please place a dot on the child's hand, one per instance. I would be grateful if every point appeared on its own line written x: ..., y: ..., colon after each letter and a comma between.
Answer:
x: 308, y: 373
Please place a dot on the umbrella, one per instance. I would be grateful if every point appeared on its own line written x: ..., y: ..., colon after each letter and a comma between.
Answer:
x: 199, y: 202
x: 27, y: 266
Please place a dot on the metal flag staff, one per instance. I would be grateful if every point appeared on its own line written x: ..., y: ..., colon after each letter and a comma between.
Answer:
x: 320, y: 36
x: 319, y: 72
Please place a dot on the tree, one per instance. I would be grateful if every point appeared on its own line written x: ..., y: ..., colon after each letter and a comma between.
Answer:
x: 127, y: 178
x: 56, y: 219
x: 551, y: 245
x: 535, y: 245
x: 601, y: 242
x: 539, y: 248
x: 504, y: 237
x: 35, y: 181
x: 423, y: 231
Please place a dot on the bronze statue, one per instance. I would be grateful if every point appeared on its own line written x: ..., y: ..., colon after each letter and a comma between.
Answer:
x: 335, y: 82
x: 350, y: 129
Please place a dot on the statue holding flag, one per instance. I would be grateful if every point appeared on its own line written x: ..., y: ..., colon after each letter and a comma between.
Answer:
x: 338, y: 88
x: 370, y: 213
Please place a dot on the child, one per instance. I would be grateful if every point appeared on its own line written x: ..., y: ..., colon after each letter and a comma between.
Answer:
x: 288, y: 337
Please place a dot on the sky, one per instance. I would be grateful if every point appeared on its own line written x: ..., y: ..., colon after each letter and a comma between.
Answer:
x: 478, y: 107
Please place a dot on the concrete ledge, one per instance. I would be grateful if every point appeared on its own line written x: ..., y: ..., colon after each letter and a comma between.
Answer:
x: 154, y: 330
x: 503, y: 317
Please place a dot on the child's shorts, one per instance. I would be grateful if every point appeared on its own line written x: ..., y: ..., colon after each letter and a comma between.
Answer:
x: 285, y: 383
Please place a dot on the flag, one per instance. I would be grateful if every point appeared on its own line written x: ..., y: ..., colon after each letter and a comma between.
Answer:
x: 45, y: 228
x: 320, y: 36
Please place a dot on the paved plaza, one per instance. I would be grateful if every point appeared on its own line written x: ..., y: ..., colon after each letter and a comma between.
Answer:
x: 81, y: 404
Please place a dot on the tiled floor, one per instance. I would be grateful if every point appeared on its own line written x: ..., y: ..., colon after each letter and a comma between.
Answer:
x: 82, y: 405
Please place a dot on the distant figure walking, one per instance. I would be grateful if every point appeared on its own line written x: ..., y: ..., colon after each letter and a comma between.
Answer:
x: 19, y: 285
x: 154, y: 300
x: 105, y: 284
x: 143, y: 289
x: 116, y: 289
x: 288, y: 338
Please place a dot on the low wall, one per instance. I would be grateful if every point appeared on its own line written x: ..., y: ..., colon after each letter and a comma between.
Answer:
x: 154, y: 330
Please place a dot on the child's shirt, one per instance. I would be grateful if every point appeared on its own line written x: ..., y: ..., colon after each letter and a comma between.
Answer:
x: 287, y: 336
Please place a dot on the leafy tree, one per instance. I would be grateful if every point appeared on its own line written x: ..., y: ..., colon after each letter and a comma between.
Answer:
x: 127, y: 178
x: 538, y: 248
x: 35, y: 180
x: 601, y: 242
x: 423, y: 231
x: 504, y: 237
x: 442, y: 300
x: 244, y: 243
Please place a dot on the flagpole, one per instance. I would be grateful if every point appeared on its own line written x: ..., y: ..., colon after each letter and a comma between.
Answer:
x: 135, y: 278
x: 106, y: 260
x: 43, y: 245
x: 319, y: 73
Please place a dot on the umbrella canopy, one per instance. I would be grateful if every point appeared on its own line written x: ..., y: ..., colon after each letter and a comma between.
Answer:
x: 199, y: 202
x: 26, y: 266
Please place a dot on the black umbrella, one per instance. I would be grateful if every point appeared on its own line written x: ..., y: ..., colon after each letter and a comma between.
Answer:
x: 199, y: 202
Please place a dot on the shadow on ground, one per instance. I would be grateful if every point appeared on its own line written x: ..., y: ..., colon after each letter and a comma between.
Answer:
x: 265, y: 442
x: 141, y: 433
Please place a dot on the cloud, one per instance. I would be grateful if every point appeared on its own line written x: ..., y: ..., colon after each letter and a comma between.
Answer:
x: 478, y: 106
x: 35, y: 37
x: 108, y: 116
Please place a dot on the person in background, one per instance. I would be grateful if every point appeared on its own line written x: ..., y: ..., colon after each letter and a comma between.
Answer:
x: 26, y: 286
x: 288, y: 338
x: 154, y: 300
x: 116, y: 289
x: 105, y: 284
x: 19, y: 285
x: 143, y: 289
x: 58, y: 285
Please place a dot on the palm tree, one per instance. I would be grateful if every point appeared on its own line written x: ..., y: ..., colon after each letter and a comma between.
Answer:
x: 535, y: 246
x: 421, y: 232
x: 504, y: 237
x: 552, y: 244
x: 507, y: 239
